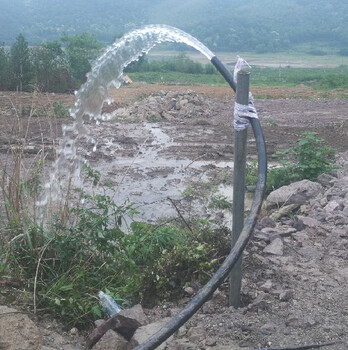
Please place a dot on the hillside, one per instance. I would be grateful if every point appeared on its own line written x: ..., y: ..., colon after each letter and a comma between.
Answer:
x: 252, y: 25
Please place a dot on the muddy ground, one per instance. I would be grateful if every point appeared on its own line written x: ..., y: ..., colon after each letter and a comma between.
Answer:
x: 153, y: 161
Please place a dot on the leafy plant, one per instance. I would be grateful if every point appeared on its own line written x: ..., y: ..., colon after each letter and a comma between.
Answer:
x: 307, y: 160
x: 220, y: 202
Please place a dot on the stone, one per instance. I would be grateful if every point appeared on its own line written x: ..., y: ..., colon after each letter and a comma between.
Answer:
x: 309, y: 222
x: 283, y: 211
x: 145, y: 332
x: 196, y: 335
x: 267, y: 286
x: 286, y: 295
x: 296, y: 193
x: 266, y: 222
x: 111, y: 341
x: 189, y: 291
x: 74, y: 331
x: 275, y: 247
x: 332, y: 206
x: 135, y: 313
x: 325, y: 180
x: 18, y: 331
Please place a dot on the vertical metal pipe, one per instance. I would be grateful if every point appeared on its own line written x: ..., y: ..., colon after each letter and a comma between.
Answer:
x: 240, y: 137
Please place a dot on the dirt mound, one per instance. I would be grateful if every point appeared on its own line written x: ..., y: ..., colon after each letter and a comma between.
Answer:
x: 166, y: 106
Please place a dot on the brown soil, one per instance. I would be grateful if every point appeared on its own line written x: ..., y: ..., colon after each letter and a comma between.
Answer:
x: 284, y: 114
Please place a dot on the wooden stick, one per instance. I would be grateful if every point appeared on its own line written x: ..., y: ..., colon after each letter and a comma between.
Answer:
x: 178, y: 211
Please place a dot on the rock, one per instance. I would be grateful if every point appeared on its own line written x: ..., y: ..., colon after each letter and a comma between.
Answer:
x: 135, y: 313
x: 325, y: 180
x: 332, y: 206
x: 196, y: 335
x: 145, y: 332
x: 283, y: 211
x: 286, y: 295
x: 111, y: 340
x: 189, y: 291
x: 296, y: 193
x: 258, y: 304
x: 309, y: 222
x: 18, y: 331
x: 275, y: 247
x: 267, y: 286
x: 74, y: 331
x: 266, y: 222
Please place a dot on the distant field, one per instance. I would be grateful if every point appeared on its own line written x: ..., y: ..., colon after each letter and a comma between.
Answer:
x: 283, y: 59
x: 317, y: 78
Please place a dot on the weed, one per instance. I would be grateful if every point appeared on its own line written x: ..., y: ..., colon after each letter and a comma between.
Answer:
x: 220, y: 202
x: 251, y: 173
x: 59, y: 110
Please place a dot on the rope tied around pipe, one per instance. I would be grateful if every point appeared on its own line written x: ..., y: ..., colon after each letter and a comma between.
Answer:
x: 242, y: 114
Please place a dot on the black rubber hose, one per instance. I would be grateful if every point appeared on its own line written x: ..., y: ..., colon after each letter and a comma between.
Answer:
x: 206, y: 292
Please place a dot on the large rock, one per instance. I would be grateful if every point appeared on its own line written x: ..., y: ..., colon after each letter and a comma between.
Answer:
x: 111, y: 340
x: 145, y: 332
x: 296, y: 193
x: 18, y: 331
x: 275, y: 247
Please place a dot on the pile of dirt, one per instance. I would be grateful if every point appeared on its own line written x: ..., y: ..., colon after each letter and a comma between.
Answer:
x: 166, y: 106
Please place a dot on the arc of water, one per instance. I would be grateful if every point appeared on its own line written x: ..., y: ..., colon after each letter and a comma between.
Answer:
x: 106, y: 72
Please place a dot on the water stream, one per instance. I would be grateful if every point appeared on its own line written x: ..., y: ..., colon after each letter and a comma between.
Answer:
x: 107, y: 72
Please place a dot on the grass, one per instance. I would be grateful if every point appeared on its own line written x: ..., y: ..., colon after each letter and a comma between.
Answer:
x: 177, y: 78
x: 298, y: 56
x: 318, y: 78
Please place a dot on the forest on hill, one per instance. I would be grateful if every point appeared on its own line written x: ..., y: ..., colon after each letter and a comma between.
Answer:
x: 222, y: 25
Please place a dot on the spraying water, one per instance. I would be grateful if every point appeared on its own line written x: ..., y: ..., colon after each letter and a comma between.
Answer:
x: 106, y: 72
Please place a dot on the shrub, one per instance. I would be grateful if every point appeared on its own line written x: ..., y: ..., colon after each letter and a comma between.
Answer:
x: 68, y: 265
x: 307, y: 160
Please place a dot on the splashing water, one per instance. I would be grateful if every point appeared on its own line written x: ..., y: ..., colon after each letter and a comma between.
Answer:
x: 106, y: 72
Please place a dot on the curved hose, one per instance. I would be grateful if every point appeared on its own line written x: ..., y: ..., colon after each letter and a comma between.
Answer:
x: 206, y: 292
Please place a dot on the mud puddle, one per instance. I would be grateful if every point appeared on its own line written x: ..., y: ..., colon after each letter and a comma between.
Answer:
x: 147, y: 165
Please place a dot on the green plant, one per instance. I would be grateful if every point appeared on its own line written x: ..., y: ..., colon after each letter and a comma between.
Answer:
x: 59, y: 110
x: 307, y: 160
x: 251, y: 173
x: 220, y: 202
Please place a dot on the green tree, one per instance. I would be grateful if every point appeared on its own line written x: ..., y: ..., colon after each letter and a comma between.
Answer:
x: 4, y: 69
x: 20, y: 64
x: 51, y: 68
x: 81, y: 50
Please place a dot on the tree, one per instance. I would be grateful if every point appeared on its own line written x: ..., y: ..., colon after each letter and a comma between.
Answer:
x: 51, y: 68
x: 4, y: 69
x: 20, y: 64
x: 81, y: 50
